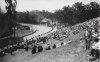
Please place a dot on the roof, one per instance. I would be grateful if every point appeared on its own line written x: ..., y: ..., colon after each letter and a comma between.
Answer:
x: 45, y: 20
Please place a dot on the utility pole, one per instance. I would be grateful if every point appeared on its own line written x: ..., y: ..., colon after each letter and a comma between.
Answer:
x: 11, y: 14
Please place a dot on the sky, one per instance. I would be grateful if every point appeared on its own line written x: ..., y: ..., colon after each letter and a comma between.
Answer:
x: 49, y: 5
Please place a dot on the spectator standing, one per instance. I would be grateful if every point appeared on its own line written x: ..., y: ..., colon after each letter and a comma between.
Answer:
x: 88, y: 38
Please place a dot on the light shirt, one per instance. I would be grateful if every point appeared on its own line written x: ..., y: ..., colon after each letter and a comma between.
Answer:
x: 86, y: 33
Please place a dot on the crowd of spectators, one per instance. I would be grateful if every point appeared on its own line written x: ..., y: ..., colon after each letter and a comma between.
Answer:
x: 61, y: 34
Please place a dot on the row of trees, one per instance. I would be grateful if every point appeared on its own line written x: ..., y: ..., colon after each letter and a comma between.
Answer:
x: 78, y: 13
x: 26, y: 17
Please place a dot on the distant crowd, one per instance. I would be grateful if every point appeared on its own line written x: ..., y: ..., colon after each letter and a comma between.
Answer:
x: 33, y: 43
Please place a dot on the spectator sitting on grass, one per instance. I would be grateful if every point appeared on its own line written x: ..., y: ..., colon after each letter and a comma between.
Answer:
x: 95, y: 50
